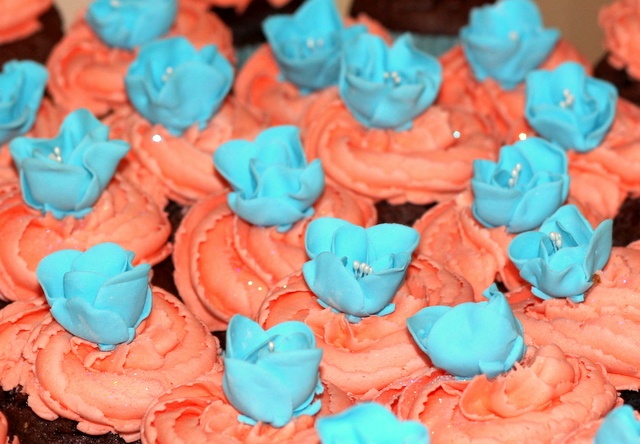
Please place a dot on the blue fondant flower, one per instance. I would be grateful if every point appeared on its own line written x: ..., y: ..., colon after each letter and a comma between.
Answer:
x: 21, y: 89
x: 387, y: 87
x: 97, y: 295
x: 307, y: 45
x: 369, y: 423
x: 130, y: 23
x: 471, y: 338
x: 354, y: 270
x: 569, y: 107
x: 272, y: 182
x: 67, y: 174
x: 175, y: 85
x: 560, y: 259
x: 271, y: 376
x: 620, y: 426
x: 527, y: 185
x: 506, y: 40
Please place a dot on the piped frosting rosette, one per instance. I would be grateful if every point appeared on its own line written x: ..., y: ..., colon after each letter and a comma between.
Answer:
x: 620, y: 21
x: 67, y: 198
x: 545, y: 398
x: 471, y: 232
x: 270, y: 391
x: 88, y: 72
x: 183, y: 113
x: 254, y: 236
x: 378, y: 135
x: 155, y: 342
x: 302, y: 56
x: 19, y: 19
x: 357, y: 311
x: 485, y: 74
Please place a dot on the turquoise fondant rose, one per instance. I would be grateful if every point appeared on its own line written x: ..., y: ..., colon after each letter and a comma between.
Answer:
x: 22, y: 86
x: 527, y: 185
x: 272, y: 183
x: 369, y: 423
x: 471, y: 338
x: 97, y: 295
x: 569, y: 107
x: 271, y: 376
x: 307, y: 45
x: 174, y: 84
x: 506, y: 40
x: 130, y: 23
x: 67, y: 174
x: 620, y: 426
x: 560, y: 259
x: 387, y: 87
x: 355, y: 270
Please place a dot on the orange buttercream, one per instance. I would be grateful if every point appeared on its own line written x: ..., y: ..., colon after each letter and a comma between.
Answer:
x: 366, y: 357
x: 122, y: 214
x: 182, y: 165
x: 86, y: 73
x: 225, y: 265
x: 546, y: 397
x: 110, y: 391
x: 429, y: 162
x: 605, y: 327
x: 19, y: 19
x: 620, y: 21
x: 504, y: 109
x: 200, y: 412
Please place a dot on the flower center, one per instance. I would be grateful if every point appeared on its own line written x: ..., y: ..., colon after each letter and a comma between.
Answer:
x: 568, y: 99
x: 392, y: 77
x: 556, y: 240
x: 56, y: 154
x: 271, y: 346
x: 115, y: 4
x: 513, y: 35
x: 515, y: 174
x: 361, y: 269
x: 314, y: 43
x: 167, y: 73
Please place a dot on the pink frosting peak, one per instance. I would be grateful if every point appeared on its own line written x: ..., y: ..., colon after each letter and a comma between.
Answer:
x: 605, y: 327
x: 19, y: 19
x: 200, y: 412
x: 546, y: 397
x: 430, y: 162
x: 70, y: 377
x: 122, y: 214
x: 362, y: 359
x: 225, y: 265
x: 620, y: 21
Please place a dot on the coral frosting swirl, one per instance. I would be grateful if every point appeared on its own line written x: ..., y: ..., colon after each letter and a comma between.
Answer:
x: 122, y: 215
x: 363, y: 358
x: 546, y: 397
x: 19, y: 19
x: 431, y: 161
x: 604, y: 328
x: 620, y: 21
x: 212, y: 241
x: 70, y: 377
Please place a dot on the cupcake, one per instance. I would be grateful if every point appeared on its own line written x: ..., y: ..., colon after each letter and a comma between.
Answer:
x: 356, y: 293
x: 377, y: 134
x: 302, y: 57
x: 28, y: 30
x: 89, y: 356
x: 269, y: 391
x: 88, y: 66
x: 254, y: 235
x: 485, y: 73
x: 182, y: 112
x: 620, y: 21
x: 68, y: 197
